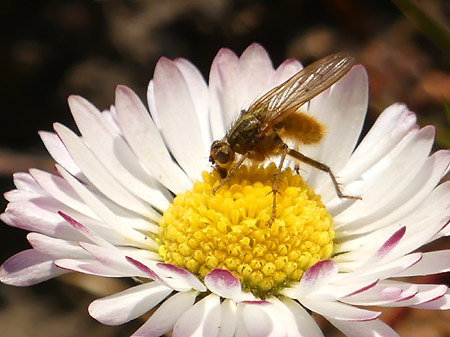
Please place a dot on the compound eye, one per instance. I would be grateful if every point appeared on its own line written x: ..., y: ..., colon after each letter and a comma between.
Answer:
x: 221, y: 154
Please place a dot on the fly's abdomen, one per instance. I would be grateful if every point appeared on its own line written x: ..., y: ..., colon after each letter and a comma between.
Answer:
x: 302, y: 128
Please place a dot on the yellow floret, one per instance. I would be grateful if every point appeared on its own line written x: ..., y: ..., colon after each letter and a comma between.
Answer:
x: 230, y: 230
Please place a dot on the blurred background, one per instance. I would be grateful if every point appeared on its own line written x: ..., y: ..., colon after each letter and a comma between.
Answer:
x: 51, y: 49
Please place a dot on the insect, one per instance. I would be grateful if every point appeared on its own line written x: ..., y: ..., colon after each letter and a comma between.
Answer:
x: 258, y: 132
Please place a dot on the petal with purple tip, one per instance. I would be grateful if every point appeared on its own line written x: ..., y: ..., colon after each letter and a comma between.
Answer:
x: 223, y: 283
x: 181, y: 276
x: 29, y: 267
x: 129, y: 304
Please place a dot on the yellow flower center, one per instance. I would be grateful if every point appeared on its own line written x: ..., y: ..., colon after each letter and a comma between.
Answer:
x: 229, y: 230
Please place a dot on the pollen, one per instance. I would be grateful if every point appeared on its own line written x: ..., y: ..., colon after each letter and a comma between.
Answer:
x: 230, y: 229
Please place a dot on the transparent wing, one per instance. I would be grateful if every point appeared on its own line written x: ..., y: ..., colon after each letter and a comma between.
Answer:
x: 286, y: 98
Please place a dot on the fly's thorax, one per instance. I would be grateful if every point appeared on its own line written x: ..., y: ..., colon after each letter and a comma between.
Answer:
x: 242, y: 135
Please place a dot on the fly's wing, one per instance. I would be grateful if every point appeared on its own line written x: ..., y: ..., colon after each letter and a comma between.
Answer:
x: 286, y: 98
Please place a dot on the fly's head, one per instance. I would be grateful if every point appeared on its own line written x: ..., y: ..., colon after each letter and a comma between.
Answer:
x: 221, y: 156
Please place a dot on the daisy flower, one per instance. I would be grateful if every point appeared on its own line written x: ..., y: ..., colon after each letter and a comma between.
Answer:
x: 132, y: 197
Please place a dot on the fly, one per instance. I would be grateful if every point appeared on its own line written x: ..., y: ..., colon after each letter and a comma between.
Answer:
x: 259, y: 132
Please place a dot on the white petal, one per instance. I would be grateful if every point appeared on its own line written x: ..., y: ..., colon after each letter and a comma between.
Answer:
x: 56, y: 247
x: 102, y: 231
x: 176, y: 275
x: 60, y: 190
x: 199, y: 95
x: 172, y: 276
x: 128, y: 304
x: 114, y: 153
x: 263, y: 320
x: 383, y: 293
x: 286, y: 70
x: 236, y: 83
x: 345, y: 101
x: 426, y: 293
x: 131, y: 219
x: 442, y: 303
x: 337, y: 310
x: 89, y: 234
x: 144, y: 139
x: 392, y: 125
x: 306, y: 325
x: 431, y: 263
x: 179, y: 123
x: 27, y: 268
x: 422, y: 228
x: 314, y: 278
x: 152, y: 107
x: 104, y: 212
x: 228, y: 318
x: 39, y: 218
x: 338, y: 290
x: 203, y: 319
x: 408, y: 201
x: 223, y: 91
x: 382, y: 270
x: 377, y: 247
x: 148, y: 269
x: 255, y: 74
x: 422, y: 225
x: 110, y: 118
x: 375, y: 328
x: 21, y: 195
x: 91, y: 267
x: 241, y: 329
x: 385, y: 180
x: 40, y: 213
x: 164, y: 318
x: 25, y: 182
x: 139, y: 253
x: 59, y: 153
x: 112, y: 258
x: 98, y: 175
x: 287, y: 316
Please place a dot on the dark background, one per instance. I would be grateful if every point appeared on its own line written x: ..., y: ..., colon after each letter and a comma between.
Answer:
x: 51, y: 49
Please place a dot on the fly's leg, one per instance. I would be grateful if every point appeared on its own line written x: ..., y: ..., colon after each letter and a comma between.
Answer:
x: 297, y: 166
x: 276, y: 180
x: 318, y: 165
x: 230, y: 173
